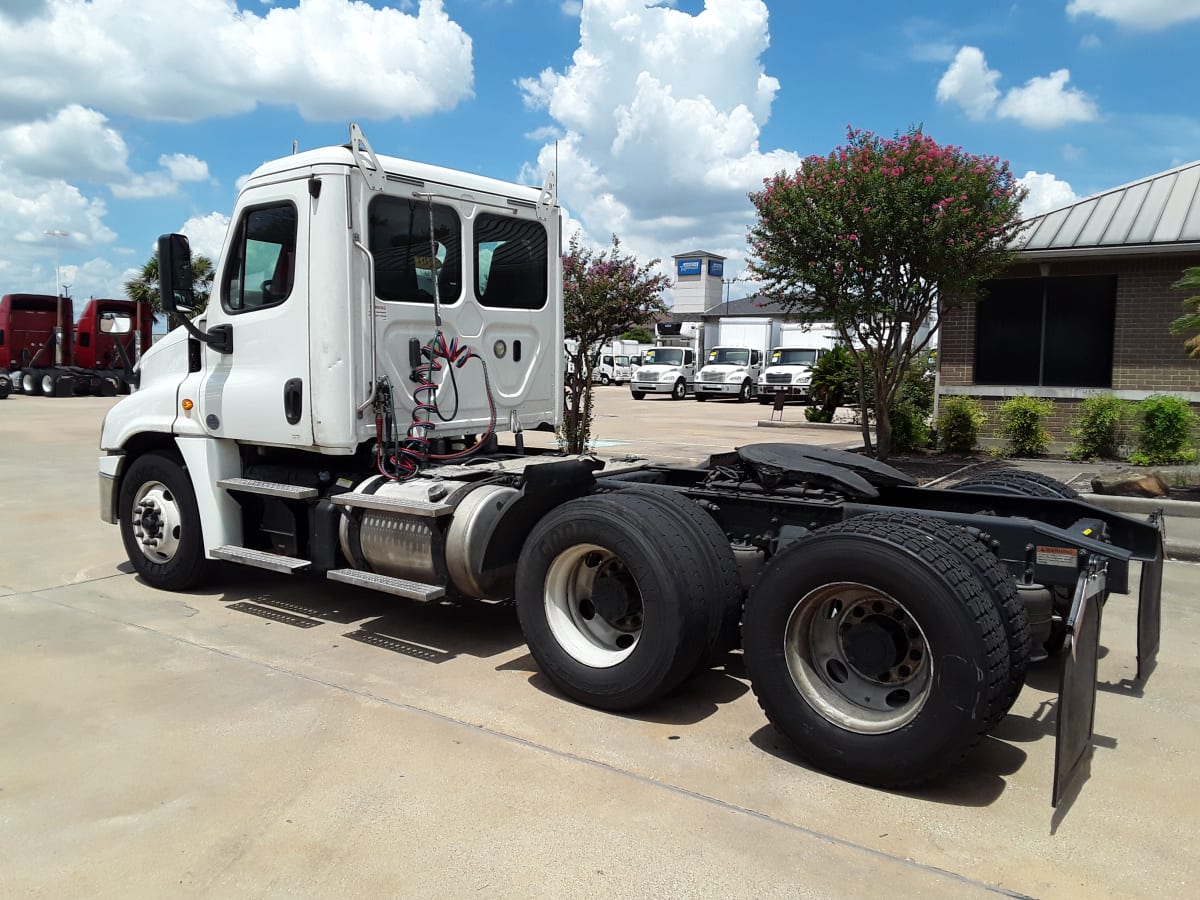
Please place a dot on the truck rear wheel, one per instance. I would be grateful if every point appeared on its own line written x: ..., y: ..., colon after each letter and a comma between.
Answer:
x: 160, y: 524
x: 611, y: 600
x: 997, y: 582
x: 1024, y: 484
x: 5, y: 386
x: 700, y: 398
x: 31, y: 382
x: 876, y: 651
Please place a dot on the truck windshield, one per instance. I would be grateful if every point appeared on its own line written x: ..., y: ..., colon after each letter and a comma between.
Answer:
x: 794, y: 356
x: 729, y: 356
x: 622, y: 360
x: 664, y: 356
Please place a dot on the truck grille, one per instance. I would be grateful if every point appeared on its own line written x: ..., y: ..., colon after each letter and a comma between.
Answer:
x: 779, y: 378
x: 712, y: 376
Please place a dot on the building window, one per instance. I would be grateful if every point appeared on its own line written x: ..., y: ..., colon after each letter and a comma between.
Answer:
x: 1046, y: 332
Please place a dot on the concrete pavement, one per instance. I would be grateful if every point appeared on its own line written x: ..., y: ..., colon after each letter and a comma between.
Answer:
x: 280, y: 736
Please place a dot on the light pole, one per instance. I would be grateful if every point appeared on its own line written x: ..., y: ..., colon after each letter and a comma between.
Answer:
x: 58, y: 327
x: 727, y: 282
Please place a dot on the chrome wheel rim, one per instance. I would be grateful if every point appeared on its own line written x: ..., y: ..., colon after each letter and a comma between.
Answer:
x: 157, y: 522
x: 858, y: 657
x: 593, y: 606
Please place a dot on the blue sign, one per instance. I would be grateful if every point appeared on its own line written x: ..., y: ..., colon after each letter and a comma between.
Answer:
x: 716, y: 267
x: 687, y: 267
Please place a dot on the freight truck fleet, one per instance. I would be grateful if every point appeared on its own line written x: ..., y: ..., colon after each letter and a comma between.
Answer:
x: 44, y: 351
x: 337, y: 409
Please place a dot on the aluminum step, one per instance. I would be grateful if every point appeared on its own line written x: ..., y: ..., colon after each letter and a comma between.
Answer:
x: 401, y: 587
x: 268, y: 488
x: 392, y: 504
x: 260, y: 559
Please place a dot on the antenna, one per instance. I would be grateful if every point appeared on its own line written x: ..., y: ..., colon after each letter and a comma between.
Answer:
x: 295, y: 147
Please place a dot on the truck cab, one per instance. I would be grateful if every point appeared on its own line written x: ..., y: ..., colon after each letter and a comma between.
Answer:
x: 729, y: 372
x: 789, y: 372
x: 610, y: 369
x: 665, y: 370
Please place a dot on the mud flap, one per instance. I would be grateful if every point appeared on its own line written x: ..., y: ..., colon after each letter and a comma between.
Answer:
x: 1150, y: 605
x: 1077, y: 690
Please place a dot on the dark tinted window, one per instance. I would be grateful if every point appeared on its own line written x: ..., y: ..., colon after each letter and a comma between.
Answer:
x: 406, y: 261
x: 262, y: 267
x: 1052, y: 332
x: 510, y: 262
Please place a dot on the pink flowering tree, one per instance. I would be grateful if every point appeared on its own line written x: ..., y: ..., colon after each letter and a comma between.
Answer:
x: 604, y: 294
x: 873, y: 237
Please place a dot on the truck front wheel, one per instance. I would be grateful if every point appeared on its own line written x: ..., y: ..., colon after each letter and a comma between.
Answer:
x: 612, y: 601
x: 745, y: 392
x: 680, y: 390
x: 876, y: 651
x: 160, y: 524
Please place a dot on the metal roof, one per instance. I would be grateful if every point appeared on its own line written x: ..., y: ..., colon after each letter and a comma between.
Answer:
x: 698, y: 253
x: 1159, y: 214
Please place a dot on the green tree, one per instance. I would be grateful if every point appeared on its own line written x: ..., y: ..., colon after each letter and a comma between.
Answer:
x: 143, y: 287
x: 641, y: 334
x: 604, y: 294
x: 873, y: 236
x: 1190, y: 321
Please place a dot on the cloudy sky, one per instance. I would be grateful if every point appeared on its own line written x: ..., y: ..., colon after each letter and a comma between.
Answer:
x: 123, y: 119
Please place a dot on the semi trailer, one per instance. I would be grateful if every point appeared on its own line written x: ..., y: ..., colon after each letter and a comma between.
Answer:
x: 350, y: 405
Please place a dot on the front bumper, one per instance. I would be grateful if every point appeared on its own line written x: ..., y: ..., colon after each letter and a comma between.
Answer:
x: 652, y: 387
x: 795, y: 391
x: 731, y: 389
x: 110, y: 468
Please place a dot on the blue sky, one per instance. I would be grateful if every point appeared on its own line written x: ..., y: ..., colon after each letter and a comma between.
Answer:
x: 123, y: 119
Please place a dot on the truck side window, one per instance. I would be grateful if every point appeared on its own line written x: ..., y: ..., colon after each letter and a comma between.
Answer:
x: 687, y: 357
x: 510, y: 262
x: 406, y: 260
x: 260, y: 271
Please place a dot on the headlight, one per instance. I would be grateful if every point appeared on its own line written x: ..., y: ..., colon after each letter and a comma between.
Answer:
x: 669, y: 375
x: 803, y: 379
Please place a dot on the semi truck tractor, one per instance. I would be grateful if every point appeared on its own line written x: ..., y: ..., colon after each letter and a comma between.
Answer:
x: 351, y: 405
x: 47, y: 353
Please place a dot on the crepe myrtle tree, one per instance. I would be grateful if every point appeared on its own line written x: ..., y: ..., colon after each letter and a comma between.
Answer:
x: 872, y: 236
x: 604, y: 293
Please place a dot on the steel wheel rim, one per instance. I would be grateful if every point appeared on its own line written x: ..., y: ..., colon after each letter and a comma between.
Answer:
x: 27, y: 383
x: 157, y: 522
x: 858, y: 657
x: 47, y: 384
x: 583, y: 630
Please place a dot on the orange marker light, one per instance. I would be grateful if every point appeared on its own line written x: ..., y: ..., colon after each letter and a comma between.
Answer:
x: 187, y: 405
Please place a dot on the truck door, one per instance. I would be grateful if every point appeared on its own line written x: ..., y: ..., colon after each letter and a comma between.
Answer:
x: 261, y: 390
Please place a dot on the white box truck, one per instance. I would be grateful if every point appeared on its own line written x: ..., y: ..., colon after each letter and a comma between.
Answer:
x: 790, y: 366
x: 731, y: 367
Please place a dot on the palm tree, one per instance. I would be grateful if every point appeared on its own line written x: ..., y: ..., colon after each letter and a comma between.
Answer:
x: 143, y: 288
x: 1190, y: 321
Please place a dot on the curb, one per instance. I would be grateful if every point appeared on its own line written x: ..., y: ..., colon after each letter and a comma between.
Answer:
x: 1183, y: 509
x: 814, y: 426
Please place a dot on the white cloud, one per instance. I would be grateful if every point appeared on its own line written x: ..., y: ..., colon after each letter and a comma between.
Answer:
x: 1046, y: 192
x: 659, y: 116
x: 1048, y: 102
x: 184, y: 167
x: 206, y: 234
x: 970, y: 84
x: 571, y: 7
x: 1146, y: 15
x: 74, y: 143
x: 331, y: 59
x: 1043, y: 102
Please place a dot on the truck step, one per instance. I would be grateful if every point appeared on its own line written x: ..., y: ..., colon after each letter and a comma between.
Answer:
x: 267, y: 488
x: 260, y: 559
x: 393, y: 504
x: 401, y: 587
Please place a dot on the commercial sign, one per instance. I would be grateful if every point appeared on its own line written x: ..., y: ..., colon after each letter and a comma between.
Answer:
x: 687, y: 267
x: 716, y: 267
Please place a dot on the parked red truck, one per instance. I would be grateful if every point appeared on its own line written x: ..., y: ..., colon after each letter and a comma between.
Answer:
x: 43, y: 351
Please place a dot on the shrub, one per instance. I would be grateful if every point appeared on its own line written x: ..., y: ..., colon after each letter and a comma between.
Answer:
x: 1100, y: 428
x: 910, y: 415
x: 1021, y: 422
x: 958, y: 424
x: 1165, y: 431
x: 834, y: 379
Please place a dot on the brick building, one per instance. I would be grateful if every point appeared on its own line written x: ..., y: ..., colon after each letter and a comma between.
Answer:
x: 1086, y: 307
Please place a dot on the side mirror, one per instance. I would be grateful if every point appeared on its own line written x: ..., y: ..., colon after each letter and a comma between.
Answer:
x: 114, y: 324
x: 175, y: 273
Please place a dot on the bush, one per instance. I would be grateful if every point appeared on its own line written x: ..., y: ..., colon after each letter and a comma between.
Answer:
x: 959, y: 423
x: 1021, y: 422
x: 910, y: 415
x: 1100, y: 428
x: 1165, y: 431
x: 834, y: 379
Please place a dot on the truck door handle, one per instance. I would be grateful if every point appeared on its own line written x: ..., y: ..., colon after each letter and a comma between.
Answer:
x: 293, y: 399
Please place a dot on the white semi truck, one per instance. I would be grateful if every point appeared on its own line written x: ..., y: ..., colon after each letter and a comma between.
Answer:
x: 376, y: 324
x: 790, y: 367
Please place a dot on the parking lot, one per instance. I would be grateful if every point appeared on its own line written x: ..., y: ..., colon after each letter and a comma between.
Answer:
x: 278, y: 735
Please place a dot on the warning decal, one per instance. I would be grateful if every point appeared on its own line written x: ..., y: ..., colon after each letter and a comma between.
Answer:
x: 1057, y: 556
